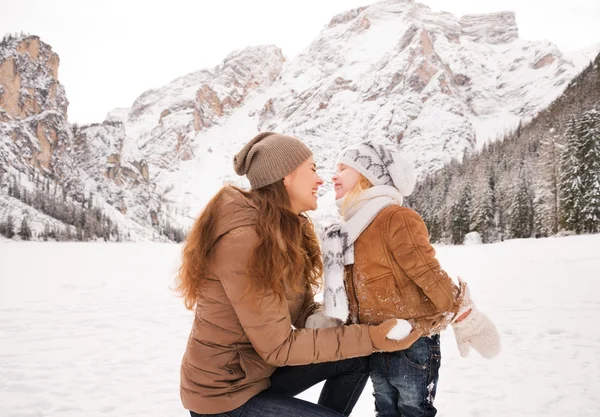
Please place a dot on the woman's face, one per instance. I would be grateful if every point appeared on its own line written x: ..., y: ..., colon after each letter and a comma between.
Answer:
x: 302, y: 186
x: 345, y: 180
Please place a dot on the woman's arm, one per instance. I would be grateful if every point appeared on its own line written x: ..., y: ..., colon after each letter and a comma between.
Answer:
x: 266, y: 321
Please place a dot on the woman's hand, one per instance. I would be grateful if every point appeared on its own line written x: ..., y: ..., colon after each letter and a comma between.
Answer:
x: 381, y: 343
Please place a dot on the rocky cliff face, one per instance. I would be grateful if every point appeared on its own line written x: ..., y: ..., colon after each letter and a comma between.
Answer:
x: 163, y: 122
x: 29, y: 79
x: 33, y: 106
x: 38, y: 147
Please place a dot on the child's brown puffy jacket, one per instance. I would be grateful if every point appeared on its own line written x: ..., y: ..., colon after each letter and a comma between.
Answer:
x: 396, y: 274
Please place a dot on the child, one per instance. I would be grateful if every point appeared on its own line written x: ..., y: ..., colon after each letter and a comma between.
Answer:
x: 379, y: 265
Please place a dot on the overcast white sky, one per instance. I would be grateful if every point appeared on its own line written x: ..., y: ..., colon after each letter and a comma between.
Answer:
x: 111, y: 51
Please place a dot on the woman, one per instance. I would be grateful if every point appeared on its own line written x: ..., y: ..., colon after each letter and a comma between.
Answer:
x: 383, y: 266
x: 250, y: 266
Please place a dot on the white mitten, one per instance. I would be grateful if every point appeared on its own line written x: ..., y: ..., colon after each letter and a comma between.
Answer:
x: 400, y: 331
x: 319, y: 320
x: 476, y: 330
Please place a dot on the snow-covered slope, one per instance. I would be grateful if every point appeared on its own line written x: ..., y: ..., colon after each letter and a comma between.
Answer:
x: 163, y: 122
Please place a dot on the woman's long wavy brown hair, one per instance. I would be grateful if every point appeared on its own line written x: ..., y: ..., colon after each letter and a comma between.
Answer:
x: 287, y: 247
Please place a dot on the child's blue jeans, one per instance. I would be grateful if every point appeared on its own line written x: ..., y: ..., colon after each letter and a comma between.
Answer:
x: 405, y: 382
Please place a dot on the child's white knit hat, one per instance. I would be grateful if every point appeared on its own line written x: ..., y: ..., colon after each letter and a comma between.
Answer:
x: 381, y: 164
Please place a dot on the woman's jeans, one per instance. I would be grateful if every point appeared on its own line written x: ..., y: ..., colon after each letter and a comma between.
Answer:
x: 345, y: 381
x: 405, y: 382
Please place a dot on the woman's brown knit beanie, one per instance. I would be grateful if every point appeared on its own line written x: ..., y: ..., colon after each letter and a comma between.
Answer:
x: 269, y: 157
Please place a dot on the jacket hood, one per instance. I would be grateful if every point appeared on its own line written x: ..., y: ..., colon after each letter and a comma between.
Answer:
x: 235, y: 210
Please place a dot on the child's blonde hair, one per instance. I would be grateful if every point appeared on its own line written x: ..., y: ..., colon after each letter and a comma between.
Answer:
x: 362, y: 184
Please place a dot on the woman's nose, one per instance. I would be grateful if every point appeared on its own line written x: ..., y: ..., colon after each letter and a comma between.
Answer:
x: 319, y: 180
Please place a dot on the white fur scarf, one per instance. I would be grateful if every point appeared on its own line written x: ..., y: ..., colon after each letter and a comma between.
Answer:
x: 338, y: 243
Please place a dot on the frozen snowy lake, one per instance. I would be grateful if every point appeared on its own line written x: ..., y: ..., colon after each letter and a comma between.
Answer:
x: 94, y: 330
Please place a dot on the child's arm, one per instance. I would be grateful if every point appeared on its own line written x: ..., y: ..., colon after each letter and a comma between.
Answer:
x: 475, y: 329
x: 408, y: 241
x: 309, y: 307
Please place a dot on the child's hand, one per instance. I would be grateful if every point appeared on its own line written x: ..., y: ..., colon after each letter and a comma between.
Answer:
x: 319, y: 320
x: 477, y: 331
x: 474, y: 329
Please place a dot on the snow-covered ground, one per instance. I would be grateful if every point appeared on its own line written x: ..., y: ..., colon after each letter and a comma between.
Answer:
x: 94, y: 330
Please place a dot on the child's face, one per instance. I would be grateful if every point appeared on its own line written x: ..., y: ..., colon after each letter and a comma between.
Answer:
x: 345, y: 180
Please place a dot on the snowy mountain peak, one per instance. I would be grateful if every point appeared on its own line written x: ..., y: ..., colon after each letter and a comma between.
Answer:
x: 238, y: 75
x: 345, y: 17
x: 431, y: 82
x: 492, y: 28
x: 118, y: 115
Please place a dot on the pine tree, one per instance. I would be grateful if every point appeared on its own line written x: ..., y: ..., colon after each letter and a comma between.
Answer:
x: 590, y: 129
x: 571, y: 178
x: 461, y: 216
x: 25, y: 231
x: 547, y: 195
x: 483, y: 212
x: 47, y: 232
x: 580, y: 179
x: 9, y: 230
x: 67, y: 233
x: 521, y: 211
x: 435, y: 229
x: 543, y: 212
x: 3, y: 228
